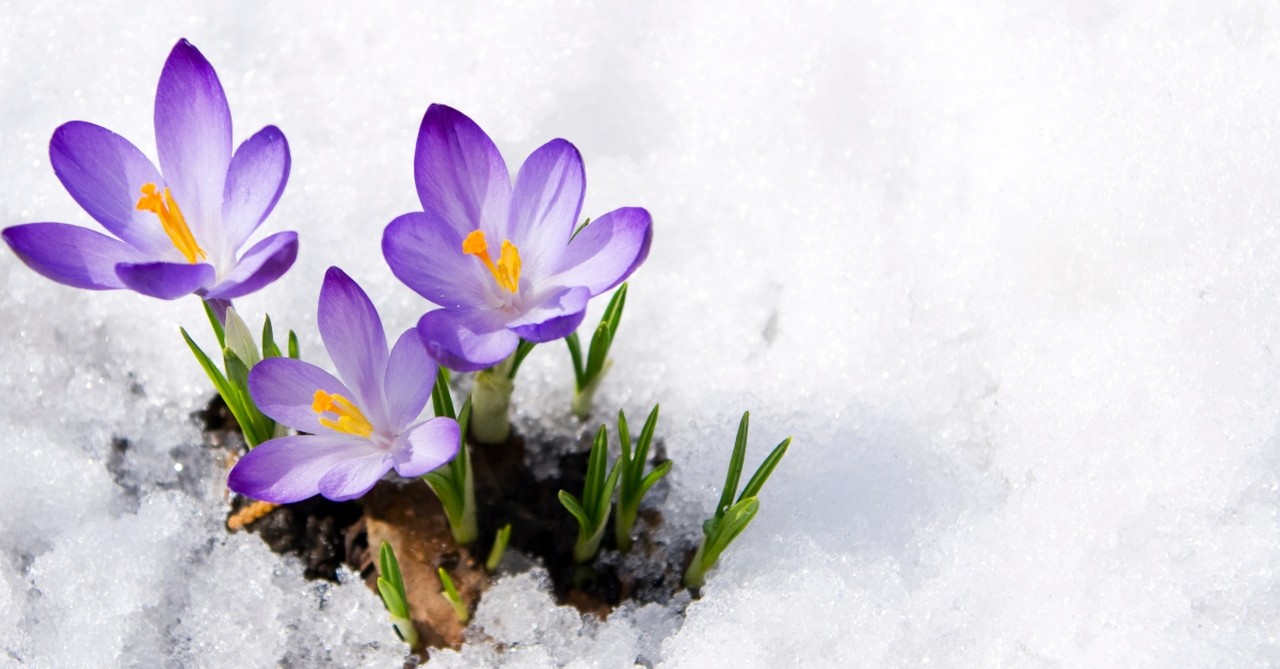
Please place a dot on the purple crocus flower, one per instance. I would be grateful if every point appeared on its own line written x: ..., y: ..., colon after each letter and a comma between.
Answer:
x: 502, y: 261
x: 176, y: 233
x: 359, y: 427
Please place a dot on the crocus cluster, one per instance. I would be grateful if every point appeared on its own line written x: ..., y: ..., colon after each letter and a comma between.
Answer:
x: 505, y: 263
x: 502, y: 260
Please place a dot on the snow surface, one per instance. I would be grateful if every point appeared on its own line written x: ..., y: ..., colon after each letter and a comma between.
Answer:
x: 1008, y: 273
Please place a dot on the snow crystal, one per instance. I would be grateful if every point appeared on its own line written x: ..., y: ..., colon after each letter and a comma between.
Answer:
x: 1008, y: 273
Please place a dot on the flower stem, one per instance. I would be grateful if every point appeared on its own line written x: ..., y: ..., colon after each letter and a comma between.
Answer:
x: 490, y: 402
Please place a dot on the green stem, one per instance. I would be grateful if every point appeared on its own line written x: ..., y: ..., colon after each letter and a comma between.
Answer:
x: 696, y: 575
x: 582, y: 399
x: 490, y: 403
x: 587, y: 547
x: 623, y: 522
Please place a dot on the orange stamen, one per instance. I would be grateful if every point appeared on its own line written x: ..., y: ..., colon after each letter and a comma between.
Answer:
x: 507, y: 271
x: 350, y: 420
x: 171, y: 220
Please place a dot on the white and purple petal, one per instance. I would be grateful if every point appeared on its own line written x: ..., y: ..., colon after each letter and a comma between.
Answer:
x: 70, y: 254
x: 545, y: 205
x: 256, y: 178
x: 607, y: 251
x: 426, y: 254
x: 291, y: 469
x: 354, y: 476
x: 408, y: 380
x: 352, y: 333
x: 104, y: 173
x: 193, y: 138
x: 284, y: 389
x: 267, y: 261
x: 552, y: 303
x: 426, y: 446
x: 166, y: 280
x: 460, y: 174
x: 466, y: 341
x: 552, y: 329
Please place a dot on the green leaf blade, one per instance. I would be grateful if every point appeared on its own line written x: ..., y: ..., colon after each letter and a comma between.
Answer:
x: 735, y: 465
x: 765, y: 470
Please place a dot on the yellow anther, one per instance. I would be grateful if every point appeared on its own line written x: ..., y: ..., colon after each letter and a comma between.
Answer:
x: 171, y: 220
x: 507, y: 271
x: 350, y: 420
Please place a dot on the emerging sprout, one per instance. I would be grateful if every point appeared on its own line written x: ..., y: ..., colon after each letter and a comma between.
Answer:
x: 732, y: 517
x: 588, y: 374
x: 391, y: 587
x: 597, y: 496
x: 633, y: 483
x: 454, y: 482
x: 499, y: 548
x: 450, y: 593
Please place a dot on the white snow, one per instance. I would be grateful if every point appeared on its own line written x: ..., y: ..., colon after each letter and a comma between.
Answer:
x: 1008, y: 273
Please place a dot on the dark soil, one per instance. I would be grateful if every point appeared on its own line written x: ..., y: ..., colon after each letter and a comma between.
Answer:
x: 326, y: 534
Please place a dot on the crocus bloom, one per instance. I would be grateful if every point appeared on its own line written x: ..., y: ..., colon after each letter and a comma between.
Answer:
x: 502, y: 260
x: 361, y: 426
x: 178, y: 230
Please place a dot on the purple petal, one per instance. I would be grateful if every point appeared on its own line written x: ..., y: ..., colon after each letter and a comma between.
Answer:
x: 255, y: 180
x: 427, y: 446
x: 284, y: 389
x: 105, y: 173
x: 545, y: 205
x: 70, y: 254
x: 607, y: 251
x: 352, y: 333
x: 553, y: 304
x: 193, y: 138
x: 408, y: 380
x: 460, y: 174
x: 466, y: 341
x: 291, y: 469
x: 353, y: 478
x: 556, y: 313
x: 267, y: 261
x: 166, y: 280
x: 550, y: 330
x: 426, y: 254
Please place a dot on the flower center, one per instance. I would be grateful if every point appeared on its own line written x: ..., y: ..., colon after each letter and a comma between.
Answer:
x: 507, y: 271
x: 163, y: 206
x: 350, y: 420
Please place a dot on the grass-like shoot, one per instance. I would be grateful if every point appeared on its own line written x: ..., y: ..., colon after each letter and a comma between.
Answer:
x: 592, y: 511
x: 454, y: 482
x: 633, y: 482
x: 499, y: 549
x: 588, y: 373
x: 450, y: 593
x: 732, y: 517
x: 391, y: 587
